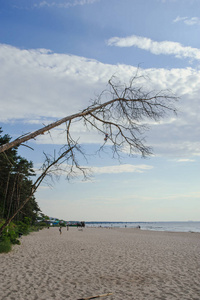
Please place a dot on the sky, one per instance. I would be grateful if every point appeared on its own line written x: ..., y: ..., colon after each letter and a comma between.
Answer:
x: 58, y: 55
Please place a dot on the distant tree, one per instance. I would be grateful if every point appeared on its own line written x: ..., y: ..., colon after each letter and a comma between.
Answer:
x: 44, y: 217
x: 120, y: 114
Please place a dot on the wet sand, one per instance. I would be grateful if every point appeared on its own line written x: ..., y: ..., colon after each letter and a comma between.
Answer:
x: 129, y: 263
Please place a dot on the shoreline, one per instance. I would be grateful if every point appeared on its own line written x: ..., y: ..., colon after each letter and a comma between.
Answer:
x: 145, y: 230
x: 127, y: 262
x: 175, y: 226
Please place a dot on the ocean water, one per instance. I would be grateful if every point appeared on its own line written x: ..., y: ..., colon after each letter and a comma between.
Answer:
x: 156, y: 226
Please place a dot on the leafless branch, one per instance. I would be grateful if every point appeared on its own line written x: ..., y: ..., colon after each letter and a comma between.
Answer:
x: 128, y: 104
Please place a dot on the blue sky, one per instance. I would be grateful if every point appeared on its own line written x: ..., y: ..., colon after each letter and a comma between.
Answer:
x: 55, y: 56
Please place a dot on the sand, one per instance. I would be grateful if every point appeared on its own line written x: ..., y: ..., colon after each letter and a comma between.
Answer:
x: 129, y: 263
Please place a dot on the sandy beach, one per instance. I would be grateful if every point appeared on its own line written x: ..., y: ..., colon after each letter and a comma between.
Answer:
x: 129, y: 263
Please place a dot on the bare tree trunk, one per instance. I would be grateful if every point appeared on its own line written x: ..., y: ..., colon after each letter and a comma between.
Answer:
x: 16, y: 212
x: 6, y: 191
x: 32, y: 135
x: 12, y: 217
x: 11, y: 198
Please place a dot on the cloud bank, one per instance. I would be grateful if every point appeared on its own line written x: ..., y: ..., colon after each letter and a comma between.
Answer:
x: 38, y: 86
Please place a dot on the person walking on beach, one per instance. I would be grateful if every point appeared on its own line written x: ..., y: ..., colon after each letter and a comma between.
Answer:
x: 60, y: 229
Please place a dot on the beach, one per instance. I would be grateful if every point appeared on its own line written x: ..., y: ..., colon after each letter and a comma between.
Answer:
x: 81, y: 263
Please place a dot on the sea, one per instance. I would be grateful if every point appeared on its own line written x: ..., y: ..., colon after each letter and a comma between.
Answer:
x: 189, y: 226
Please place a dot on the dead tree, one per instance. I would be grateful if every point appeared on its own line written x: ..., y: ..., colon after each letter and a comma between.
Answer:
x: 122, y: 118
x: 120, y: 113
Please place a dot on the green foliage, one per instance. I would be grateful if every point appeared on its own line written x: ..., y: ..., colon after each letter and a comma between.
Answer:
x: 9, y: 236
x: 44, y: 217
x: 13, y: 232
x: 22, y: 228
x: 42, y: 224
x: 5, y: 246
x: 27, y: 220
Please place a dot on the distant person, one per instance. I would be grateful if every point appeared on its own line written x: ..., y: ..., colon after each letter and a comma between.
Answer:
x: 60, y: 229
x: 82, y: 224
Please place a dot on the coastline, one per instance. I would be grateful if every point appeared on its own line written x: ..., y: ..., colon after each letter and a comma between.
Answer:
x: 127, y: 262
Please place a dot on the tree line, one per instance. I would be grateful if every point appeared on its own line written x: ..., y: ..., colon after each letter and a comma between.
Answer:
x: 16, y: 175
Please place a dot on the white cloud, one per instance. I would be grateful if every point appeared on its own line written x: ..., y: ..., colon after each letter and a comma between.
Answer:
x: 192, y: 21
x: 179, y: 19
x: 125, y: 168
x: 64, y: 4
x: 185, y: 160
x: 188, y: 21
x: 157, y: 48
